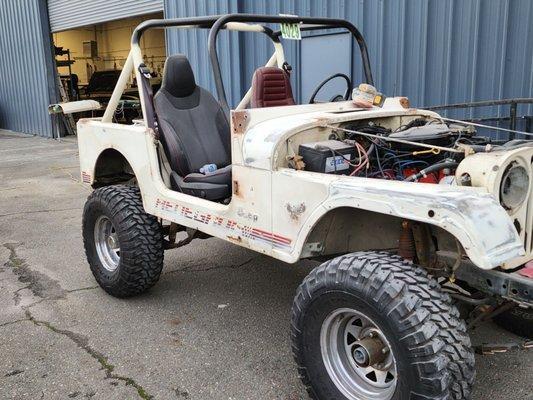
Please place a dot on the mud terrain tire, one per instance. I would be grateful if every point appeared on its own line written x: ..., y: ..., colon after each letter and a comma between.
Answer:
x: 426, y: 335
x: 136, y: 266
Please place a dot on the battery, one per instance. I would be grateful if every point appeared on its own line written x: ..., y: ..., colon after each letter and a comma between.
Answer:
x: 329, y: 156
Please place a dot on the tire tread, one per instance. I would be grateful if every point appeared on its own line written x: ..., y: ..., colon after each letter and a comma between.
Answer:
x: 431, y: 328
x: 142, y: 253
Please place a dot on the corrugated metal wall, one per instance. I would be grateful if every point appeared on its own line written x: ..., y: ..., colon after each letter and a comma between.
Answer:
x: 68, y: 14
x: 193, y: 42
x: 26, y: 67
x: 433, y: 51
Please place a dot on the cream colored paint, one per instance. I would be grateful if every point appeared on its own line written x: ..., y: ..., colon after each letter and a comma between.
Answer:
x: 286, y: 204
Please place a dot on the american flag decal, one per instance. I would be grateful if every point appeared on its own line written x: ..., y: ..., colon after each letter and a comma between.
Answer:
x: 85, y: 177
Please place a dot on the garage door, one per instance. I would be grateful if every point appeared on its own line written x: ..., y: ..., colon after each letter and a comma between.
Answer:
x: 68, y: 14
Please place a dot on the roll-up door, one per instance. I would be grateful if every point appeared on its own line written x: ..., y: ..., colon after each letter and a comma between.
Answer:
x: 68, y: 14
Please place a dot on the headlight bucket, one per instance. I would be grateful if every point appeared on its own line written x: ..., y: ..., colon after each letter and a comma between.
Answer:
x: 514, y: 186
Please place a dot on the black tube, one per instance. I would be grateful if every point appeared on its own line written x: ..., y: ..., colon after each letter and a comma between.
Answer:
x: 430, y: 169
x: 512, y: 122
x: 482, y: 103
x: 217, y: 22
x: 321, y: 23
x: 197, y: 22
x: 353, y: 30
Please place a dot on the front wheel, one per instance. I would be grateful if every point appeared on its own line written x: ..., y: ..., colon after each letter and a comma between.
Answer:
x: 123, y: 244
x: 372, y: 326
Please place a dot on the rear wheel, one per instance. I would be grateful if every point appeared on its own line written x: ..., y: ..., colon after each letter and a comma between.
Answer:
x: 373, y: 326
x: 123, y: 244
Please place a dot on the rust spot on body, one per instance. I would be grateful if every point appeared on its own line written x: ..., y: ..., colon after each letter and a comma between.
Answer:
x: 239, y: 121
x: 404, y: 102
x: 323, y: 122
x: 236, y: 188
x: 235, y: 239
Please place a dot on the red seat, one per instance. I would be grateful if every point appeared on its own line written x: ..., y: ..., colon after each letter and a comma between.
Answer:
x: 271, y: 87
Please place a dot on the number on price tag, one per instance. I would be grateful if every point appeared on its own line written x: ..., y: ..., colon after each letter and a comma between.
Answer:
x: 291, y: 31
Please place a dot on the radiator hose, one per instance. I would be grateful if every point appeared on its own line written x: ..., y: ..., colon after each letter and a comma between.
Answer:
x: 432, y: 168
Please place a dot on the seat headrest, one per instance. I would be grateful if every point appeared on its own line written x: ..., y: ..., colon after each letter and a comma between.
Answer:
x: 178, y: 78
x: 271, y: 87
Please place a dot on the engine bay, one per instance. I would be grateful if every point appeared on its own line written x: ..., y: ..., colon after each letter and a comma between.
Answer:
x: 416, y: 149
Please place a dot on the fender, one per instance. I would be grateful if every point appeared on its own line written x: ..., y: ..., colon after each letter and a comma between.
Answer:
x: 472, y: 215
x: 135, y: 143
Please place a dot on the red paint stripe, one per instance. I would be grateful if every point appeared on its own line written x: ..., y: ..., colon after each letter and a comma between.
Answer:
x: 282, y: 238
x: 261, y: 238
x: 271, y: 241
x: 273, y: 236
x: 262, y: 231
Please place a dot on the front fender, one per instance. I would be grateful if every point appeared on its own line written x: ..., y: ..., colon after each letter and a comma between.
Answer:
x: 473, y: 216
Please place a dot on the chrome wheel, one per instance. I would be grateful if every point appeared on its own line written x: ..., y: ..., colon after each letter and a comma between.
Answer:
x: 107, y: 245
x: 357, y: 356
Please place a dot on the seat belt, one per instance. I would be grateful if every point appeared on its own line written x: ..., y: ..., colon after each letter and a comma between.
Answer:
x: 151, y: 116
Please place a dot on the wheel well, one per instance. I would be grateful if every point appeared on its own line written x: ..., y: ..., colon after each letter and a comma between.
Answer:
x: 112, y: 168
x: 347, y: 229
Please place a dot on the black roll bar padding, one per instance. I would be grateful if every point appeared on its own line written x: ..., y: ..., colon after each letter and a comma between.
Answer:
x: 358, y: 37
x: 217, y: 22
x: 323, y: 23
x: 198, y: 22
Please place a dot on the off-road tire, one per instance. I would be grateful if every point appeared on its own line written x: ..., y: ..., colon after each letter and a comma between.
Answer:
x: 139, y: 235
x: 518, y: 321
x: 427, y: 336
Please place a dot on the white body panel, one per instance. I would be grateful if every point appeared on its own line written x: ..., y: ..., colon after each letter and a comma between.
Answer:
x: 273, y: 209
x: 74, y: 107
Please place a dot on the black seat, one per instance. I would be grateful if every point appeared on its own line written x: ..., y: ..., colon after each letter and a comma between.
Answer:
x: 194, y: 132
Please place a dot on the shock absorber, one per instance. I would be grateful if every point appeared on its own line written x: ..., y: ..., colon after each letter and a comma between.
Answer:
x: 406, y: 243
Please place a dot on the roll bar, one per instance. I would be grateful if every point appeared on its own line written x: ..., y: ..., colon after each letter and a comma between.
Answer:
x: 217, y: 22
x: 313, y: 23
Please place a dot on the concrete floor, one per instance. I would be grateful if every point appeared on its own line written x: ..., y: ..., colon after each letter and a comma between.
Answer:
x: 215, y: 326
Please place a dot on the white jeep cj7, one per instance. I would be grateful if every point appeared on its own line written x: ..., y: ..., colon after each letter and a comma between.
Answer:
x: 410, y: 211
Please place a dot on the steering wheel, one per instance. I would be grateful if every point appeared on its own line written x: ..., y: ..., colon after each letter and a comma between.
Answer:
x: 337, y: 97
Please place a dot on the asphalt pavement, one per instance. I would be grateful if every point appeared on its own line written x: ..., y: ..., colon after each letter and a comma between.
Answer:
x: 214, y: 327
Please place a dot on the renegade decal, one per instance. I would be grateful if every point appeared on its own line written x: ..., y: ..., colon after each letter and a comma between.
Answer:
x: 245, y: 231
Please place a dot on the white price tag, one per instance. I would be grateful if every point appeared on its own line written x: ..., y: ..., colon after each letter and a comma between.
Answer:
x: 291, y: 31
